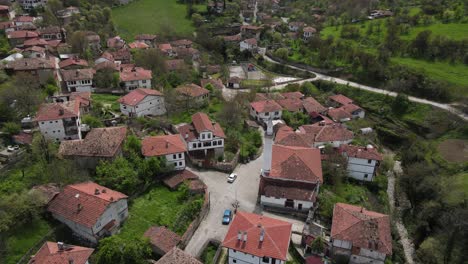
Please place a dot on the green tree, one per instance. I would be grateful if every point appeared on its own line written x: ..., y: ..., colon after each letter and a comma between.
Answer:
x: 11, y: 128
x: 282, y: 53
x: 400, y: 104
x: 117, y: 250
x: 118, y: 174
x: 318, y: 245
x: 91, y: 121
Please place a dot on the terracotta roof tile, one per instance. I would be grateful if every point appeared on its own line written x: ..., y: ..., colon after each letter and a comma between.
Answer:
x: 99, y: 142
x: 202, y: 122
x: 361, y: 152
x: 334, y: 132
x: 136, y: 74
x: 266, y: 106
x: 136, y: 96
x: 35, y: 42
x: 341, y: 99
x: 163, y: 145
x: 338, y: 114
x: 312, y: 106
x: 22, y: 34
x: 178, y: 177
x: 56, y: 111
x: 293, y: 95
x: 288, y: 137
x: 217, y: 83
x: 291, y: 104
x: 73, y: 62
x: 365, y: 229
x: 277, y: 236
x: 296, y: 163
x: 177, y: 256
x: 28, y: 64
x: 82, y: 195
x: 50, y: 253
x: 162, y: 238
x: 77, y: 74
x: 191, y: 90
x: 138, y: 45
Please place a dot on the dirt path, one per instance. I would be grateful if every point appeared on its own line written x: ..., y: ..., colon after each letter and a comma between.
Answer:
x: 405, y: 241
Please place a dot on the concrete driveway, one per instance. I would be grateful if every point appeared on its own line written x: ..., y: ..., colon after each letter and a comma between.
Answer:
x: 222, y: 196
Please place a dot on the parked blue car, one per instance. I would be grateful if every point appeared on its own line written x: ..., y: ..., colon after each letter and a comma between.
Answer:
x: 227, y: 217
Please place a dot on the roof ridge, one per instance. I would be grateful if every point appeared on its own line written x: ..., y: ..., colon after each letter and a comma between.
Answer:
x: 274, y: 244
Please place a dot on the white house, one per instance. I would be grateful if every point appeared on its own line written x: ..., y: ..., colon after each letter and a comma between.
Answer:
x: 90, y: 210
x: 360, y: 235
x: 172, y: 147
x: 362, y: 161
x: 265, y: 110
x: 32, y: 4
x: 257, y: 239
x: 141, y: 102
x: 291, y: 177
x: 59, y: 252
x: 136, y: 77
x: 248, y: 44
x: 308, y: 32
x: 328, y: 134
x: 78, y: 80
x: 60, y: 121
x: 354, y: 110
x: 203, y: 137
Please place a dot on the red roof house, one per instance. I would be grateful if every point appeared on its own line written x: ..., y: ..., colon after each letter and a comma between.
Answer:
x: 340, y: 99
x: 60, y: 253
x: 162, y: 239
x: 178, y: 256
x: 163, y: 145
x: 257, y: 236
x: 334, y: 134
x: 134, y: 97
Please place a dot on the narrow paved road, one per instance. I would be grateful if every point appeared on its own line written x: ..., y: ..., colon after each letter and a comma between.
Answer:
x: 320, y: 76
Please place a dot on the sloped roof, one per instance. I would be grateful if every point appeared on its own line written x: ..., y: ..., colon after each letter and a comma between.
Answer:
x: 296, y: 163
x: 338, y: 114
x: 179, y: 177
x: 291, y: 104
x: 202, y: 122
x: 365, y: 229
x: 350, y: 108
x: 361, y: 152
x: 287, y: 137
x: 162, y: 238
x: 73, y: 61
x: 138, y: 45
x: 217, y: 83
x: 99, y: 142
x: 50, y: 253
x: 136, y: 96
x: 266, y: 106
x: 325, y: 133
x: 56, y: 111
x: 79, y: 203
x: 276, y: 239
x: 22, y: 34
x: 311, y: 105
x: 293, y: 95
x: 26, y: 64
x: 177, y: 256
x: 77, y: 74
x: 162, y: 145
x: 191, y: 90
x: 341, y: 99
x: 136, y: 74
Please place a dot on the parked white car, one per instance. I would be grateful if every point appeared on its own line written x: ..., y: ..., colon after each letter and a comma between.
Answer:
x: 232, y: 177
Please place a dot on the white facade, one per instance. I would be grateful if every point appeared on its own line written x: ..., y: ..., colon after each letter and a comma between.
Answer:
x: 177, y: 160
x: 205, y: 141
x: 281, y: 202
x: 361, y: 169
x: 80, y: 86
x: 238, y: 257
x: 61, y: 129
x: 32, y: 4
x: 359, y: 113
x: 266, y: 115
x: 132, y: 85
x: 335, y: 144
x: 150, y: 105
x: 246, y: 46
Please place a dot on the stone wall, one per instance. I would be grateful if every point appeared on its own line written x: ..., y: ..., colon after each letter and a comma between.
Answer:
x: 196, y: 223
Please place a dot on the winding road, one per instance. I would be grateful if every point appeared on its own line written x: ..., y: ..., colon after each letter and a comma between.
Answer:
x: 320, y: 76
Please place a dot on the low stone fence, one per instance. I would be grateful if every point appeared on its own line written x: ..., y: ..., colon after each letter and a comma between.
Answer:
x: 196, y: 223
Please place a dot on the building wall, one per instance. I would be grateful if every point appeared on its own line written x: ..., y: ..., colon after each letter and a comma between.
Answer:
x: 32, y: 4
x: 335, y: 144
x: 132, y: 85
x: 117, y: 211
x: 361, y: 169
x: 151, y: 105
x: 359, y: 114
x: 200, y: 145
x: 279, y: 202
x: 265, y: 116
x: 244, y: 258
x: 178, y: 161
x: 79, y: 230
x: 55, y: 130
x: 80, y: 86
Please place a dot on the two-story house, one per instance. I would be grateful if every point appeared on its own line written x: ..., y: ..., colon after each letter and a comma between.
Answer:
x: 18, y: 37
x: 257, y: 239
x: 90, y: 210
x: 32, y: 4
x: 308, y: 32
x: 136, y: 77
x: 73, y: 63
x: 100, y: 144
x: 40, y: 69
x: 290, y: 178
x: 53, y: 33
x: 263, y: 111
x: 361, y: 235
x: 61, y: 253
x: 362, y: 161
x: 203, y: 137
x: 328, y: 134
x: 141, y: 102
x: 248, y: 44
x: 60, y: 121
x: 192, y: 94
x: 172, y: 147
x: 79, y: 80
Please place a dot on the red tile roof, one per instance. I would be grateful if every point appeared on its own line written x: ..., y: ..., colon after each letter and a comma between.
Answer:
x: 296, y: 163
x: 73, y: 62
x: 217, y: 83
x: 22, y: 34
x: 50, y: 253
x: 35, y: 42
x: 202, y: 122
x: 334, y: 132
x: 24, y: 19
x: 163, y: 145
x: 181, y: 42
x: 365, y: 229
x: 309, y: 29
x: 77, y: 74
x: 191, y: 90
x: 361, y: 152
x: 173, y: 65
x: 251, y: 41
x: 312, y: 106
x: 290, y: 190
x: 350, y: 108
x: 29, y: 64
x: 314, y: 260
x: 277, y: 236
x: 287, y: 137
x: 266, y: 106
x: 162, y: 238
x: 291, y: 104
x: 136, y: 74
x: 341, y: 99
x: 338, y: 114
x: 79, y: 203
x: 293, y: 95
x: 99, y: 142
x: 166, y: 47
x: 136, y: 96
x: 177, y: 256
x: 56, y: 111
x: 138, y: 45
x: 177, y: 178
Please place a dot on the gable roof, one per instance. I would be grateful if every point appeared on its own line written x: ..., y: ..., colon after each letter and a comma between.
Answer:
x: 338, y: 114
x: 177, y: 256
x: 73, y: 61
x: 287, y: 137
x: 361, y: 152
x: 50, y: 253
x: 99, y: 142
x: 325, y: 133
x: 56, y: 111
x: 135, y: 74
x: 266, y: 106
x: 178, y: 177
x: 296, y: 163
x: 276, y: 239
x: 138, y: 45
x: 291, y: 104
x: 293, y: 95
x: 202, y: 122
x: 191, y: 90
x: 78, y: 74
x: 28, y: 64
x: 136, y: 96
x: 311, y: 105
x: 79, y: 203
x: 217, y: 83
x: 22, y: 34
x: 162, y: 145
x: 341, y: 99
x: 365, y: 229
x: 350, y: 108
x: 162, y: 238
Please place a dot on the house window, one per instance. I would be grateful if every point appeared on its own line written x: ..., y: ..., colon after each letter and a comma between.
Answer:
x: 199, y: 145
x: 124, y: 107
x: 56, y: 121
x: 143, y: 81
x: 203, y: 136
x: 267, y: 113
x: 369, y: 161
x: 266, y: 260
x: 220, y: 142
x: 42, y: 122
x: 366, y: 175
x: 180, y: 163
x: 276, y: 113
x: 194, y: 145
x: 234, y: 261
x: 174, y: 156
x: 180, y: 155
x: 215, y: 143
x: 209, y: 135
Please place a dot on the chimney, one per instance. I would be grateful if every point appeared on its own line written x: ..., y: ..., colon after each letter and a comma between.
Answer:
x: 96, y: 191
x: 262, y: 234
x: 239, y: 235
x: 60, y: 246
x: 77, y: 73
x: 61, y: 112
x: 80, y: 207
x: 167, y: 144
x: 104, y: 191
x: 362, y: 209
x: 245, y: 236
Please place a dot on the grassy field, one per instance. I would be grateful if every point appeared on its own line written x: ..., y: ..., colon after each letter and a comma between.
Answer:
x: 458, y: 186
x: 107, y: 99
x: 22, y: 240
x: 455, y: 31
x: 456, y: 74
x: 208, y: 254
x: 152, y: 17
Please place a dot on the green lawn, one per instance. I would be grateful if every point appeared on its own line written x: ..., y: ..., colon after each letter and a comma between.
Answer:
x: 18, y: 243
x: 456, y: 74
x: 208, y: 254
x: 152, y: 17
x: 107, y: 99
x: 456, y: 31
x: 458, y: 186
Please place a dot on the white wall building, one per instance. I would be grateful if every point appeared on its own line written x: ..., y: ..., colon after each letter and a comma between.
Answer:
x: 362, y: 161
x: 60, y: 121
x: 172, y: 147
x: 32, y: 4
x: 263, y: 111
x: 78, y: 80
x: 142, y: 102
x: 134, y: 78
x: 248, y: 44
